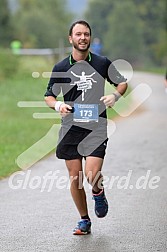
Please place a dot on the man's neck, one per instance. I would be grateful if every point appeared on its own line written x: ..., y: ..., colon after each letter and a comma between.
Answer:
x: 78, y: 55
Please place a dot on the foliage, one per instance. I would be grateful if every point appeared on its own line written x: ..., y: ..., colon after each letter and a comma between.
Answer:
x: 122, y: 35
x: 41, y: 23
x: 6, y: 28
x: 134, y: 29
x: 35, y: 23
x: 98, y: 21
x: 153, y: 18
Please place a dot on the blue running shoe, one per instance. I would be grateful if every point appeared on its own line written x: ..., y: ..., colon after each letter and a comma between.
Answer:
x: 101, y: 204
x: 83, y: 227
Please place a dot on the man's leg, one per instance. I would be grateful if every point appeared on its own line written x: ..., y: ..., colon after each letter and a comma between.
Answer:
x: 93, y: 166
x: 77, y: 189
x: 78, y: 193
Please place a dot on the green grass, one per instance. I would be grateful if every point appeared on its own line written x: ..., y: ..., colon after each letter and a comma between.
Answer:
x: 19, y: 130
x: 156, y: 70
x: 121, y: 105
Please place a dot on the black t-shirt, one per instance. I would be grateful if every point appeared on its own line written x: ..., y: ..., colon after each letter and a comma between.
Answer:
x: 95, y: 70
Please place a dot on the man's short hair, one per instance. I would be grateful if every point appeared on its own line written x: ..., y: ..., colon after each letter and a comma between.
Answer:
x: 82, y: 22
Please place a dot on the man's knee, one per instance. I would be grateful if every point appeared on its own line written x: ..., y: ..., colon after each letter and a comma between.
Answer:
x: 93, y: 177
x: 76, y: 179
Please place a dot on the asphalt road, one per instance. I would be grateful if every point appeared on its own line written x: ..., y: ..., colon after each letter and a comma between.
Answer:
x: 39, y: 217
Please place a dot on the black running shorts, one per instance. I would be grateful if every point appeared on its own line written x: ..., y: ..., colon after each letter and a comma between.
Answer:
x: 77, y: 144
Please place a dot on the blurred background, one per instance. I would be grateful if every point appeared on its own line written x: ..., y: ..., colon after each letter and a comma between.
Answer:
x: 134, y: 30
x: 34, y: 36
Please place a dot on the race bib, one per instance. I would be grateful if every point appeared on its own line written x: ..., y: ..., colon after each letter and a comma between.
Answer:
x: 85, y: 112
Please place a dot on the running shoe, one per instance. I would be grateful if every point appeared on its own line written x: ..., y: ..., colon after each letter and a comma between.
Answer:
x: 101, y: 204
x: 83, y: 227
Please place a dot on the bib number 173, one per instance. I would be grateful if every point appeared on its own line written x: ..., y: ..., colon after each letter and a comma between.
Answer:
x: 85, y: 112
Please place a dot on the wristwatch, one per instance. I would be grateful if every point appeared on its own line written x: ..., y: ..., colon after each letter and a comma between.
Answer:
x: 117, y: 96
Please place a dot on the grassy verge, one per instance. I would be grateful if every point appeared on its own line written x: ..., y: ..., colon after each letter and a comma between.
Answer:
x: 156, y: 70
x: 18, y: 129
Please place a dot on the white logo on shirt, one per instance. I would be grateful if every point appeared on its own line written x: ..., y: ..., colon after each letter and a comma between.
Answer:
x: 84, y: 83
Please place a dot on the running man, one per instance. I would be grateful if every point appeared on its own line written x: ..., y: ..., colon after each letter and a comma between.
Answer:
x: 83, y: 132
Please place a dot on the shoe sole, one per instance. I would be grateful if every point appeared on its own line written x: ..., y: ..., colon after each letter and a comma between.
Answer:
x: 79, y: 232
x: 101, y: 216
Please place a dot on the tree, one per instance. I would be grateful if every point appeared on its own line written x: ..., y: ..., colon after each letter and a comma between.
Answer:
x: 98, y: 20
x: 123, y: 38
x: 6, y: 30
x: 42, y: 23
x: 138, y: 30
x: 152, y: 14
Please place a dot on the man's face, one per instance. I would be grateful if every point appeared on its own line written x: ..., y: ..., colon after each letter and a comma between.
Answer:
x: 80, y: 38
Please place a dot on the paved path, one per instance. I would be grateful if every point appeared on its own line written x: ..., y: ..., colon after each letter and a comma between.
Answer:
x: 31, y: 220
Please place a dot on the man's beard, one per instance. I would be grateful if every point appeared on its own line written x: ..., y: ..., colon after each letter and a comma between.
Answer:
x: 80, y: 49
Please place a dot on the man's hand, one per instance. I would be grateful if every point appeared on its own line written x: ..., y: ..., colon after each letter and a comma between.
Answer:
x: 65, y: 109
x: 109, y: 100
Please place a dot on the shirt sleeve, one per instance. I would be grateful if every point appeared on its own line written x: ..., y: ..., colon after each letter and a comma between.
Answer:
x: 113, y: 75
x: 53, y: 81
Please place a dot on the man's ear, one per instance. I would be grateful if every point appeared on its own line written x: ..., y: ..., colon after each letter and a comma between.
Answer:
x: 70, y: 39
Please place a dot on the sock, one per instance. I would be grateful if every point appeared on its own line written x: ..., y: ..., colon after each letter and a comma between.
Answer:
x: 85, y: 217
x: 94, y: 192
